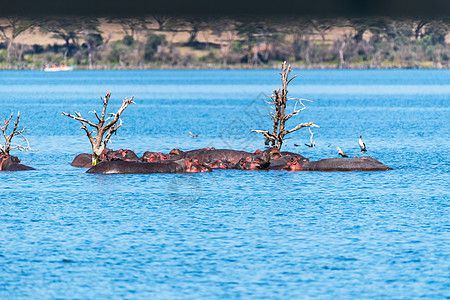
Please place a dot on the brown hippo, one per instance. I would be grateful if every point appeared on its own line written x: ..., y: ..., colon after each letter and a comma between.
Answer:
x: 83, y: 160
x: 253, y: 161
x: 365, y: 163
x: 121, y: 154
x: 219, y: 164
x: 285, y: 162
x: 175, y: 151
x: 207, y: 155
x: 154, y: 157
x: 125, y: 167
x: 12, y: 163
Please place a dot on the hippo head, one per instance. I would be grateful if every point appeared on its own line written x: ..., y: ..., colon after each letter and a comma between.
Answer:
x: 105, y: 154
x: 254, y: 162
x: 3, y: 158
x: 193, y: 166
x: 11, y: 159
x: 162, y: 156
x: 273, y: 153
x: 149, y: 156
x: 219, y: 164
x: 175, y: 151
x: 295, y: 164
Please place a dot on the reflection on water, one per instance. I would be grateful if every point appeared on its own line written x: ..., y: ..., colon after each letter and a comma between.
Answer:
x: 229, y: 234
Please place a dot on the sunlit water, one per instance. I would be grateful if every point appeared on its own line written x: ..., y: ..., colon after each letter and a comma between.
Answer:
x: 230, y: 234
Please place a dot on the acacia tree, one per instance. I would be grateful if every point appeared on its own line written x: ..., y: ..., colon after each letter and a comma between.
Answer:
x: 70, y: 29
x: 278, y: 116
x: 95, y: 44
x: 131, y: 26
x: 98, y: 143
x: 161, y: 19
x: 224, y: 29
x: 14, y: 27
x: 9, y: 145
x: 322, y: 26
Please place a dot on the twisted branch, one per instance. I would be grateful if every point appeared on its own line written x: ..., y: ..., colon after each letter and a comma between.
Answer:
x: 8, y: 146
x: 99, y: 143
x: 278, y: 116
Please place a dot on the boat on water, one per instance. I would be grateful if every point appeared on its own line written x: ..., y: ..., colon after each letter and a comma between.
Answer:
x: 55, y: 68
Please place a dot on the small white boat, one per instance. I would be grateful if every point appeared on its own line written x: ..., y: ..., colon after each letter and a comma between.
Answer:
x: 55, y: 68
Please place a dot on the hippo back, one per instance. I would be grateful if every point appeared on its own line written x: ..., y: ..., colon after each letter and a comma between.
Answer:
x: 83, y: 160
x: 127, y: 167
x: 11, y: 164
x: 365, y: 163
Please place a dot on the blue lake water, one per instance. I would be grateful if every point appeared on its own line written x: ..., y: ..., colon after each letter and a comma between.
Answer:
x: 230, y: 234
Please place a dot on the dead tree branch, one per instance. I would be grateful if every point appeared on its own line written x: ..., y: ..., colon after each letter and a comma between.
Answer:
x: 279, y: 116
x: 97, y: 142
x: 9, y: 145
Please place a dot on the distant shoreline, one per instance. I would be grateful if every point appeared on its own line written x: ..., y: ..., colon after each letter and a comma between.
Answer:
x: 387, y: 66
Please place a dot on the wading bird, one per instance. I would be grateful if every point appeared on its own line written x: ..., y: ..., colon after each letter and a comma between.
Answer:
x: 362, y: 145
x: 341, y: 153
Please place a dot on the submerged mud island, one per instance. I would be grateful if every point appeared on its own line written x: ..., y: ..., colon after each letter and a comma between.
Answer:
x: 108, y: 161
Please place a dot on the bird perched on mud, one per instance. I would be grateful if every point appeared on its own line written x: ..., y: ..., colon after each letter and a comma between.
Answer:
x: 362, y: 145
x: 341, y: 153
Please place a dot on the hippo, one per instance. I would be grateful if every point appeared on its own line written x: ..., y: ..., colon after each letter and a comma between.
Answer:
x: 154, y: 157
x: 175, y: 151
x: 287, y: 154
x: 126, y: 167
x: 121, y: 154
x: 83, y: 160
x: 365, y: 163
x: 206, y: 155
x: 219, y: 164
x: 257, y: 161
x: 284, y: 162
x: 12, y: 163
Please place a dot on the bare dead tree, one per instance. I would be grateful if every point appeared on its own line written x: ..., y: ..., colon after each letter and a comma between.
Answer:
x: 9, y: 145
x: 278, y: 116
x: 98, y: 143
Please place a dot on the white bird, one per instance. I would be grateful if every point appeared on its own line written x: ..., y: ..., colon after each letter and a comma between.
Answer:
x: 341, y: 153
x: 362, y: 145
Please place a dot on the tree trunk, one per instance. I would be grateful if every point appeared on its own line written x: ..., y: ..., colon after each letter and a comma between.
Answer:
x: 10, y: 46
x: 90, y: 59
x: 307, y: 58
x: 192, y: 37
x: 341, y: 54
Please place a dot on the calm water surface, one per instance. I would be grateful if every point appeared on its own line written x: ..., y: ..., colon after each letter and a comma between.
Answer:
x: 229, y: 234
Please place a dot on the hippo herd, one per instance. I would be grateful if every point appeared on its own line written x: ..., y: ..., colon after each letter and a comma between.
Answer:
x: 207, y: 159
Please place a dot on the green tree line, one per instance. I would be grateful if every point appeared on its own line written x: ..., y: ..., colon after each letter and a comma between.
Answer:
x: 228, y: 42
